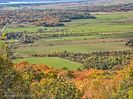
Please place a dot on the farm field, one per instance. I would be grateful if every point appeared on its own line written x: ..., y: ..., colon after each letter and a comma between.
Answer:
x: 76, y: 46
x: 108, y: 32
x: 53, y: 62
x: 104, y: 23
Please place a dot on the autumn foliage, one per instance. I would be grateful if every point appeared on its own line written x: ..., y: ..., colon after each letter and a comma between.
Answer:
x: 92, y: 83
x: 39, y: 80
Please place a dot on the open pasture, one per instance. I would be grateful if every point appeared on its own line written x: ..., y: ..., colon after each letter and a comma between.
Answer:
x: 104, y: 23
x: 76, y: 46
x: 108, y: 32
x: 53, y: 62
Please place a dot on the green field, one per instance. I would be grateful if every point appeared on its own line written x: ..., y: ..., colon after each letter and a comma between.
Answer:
x: 52, y: 62
x: 108, y: 32
x: 104, y: 23
x: 43, y: 47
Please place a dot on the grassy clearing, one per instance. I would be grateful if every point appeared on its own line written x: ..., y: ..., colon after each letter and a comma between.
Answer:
x: 52, y: 62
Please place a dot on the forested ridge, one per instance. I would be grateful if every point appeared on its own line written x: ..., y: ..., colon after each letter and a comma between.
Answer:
x: 39, y: 80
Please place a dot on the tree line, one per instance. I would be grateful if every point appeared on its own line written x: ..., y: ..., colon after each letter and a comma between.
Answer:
x: 98, y: 60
